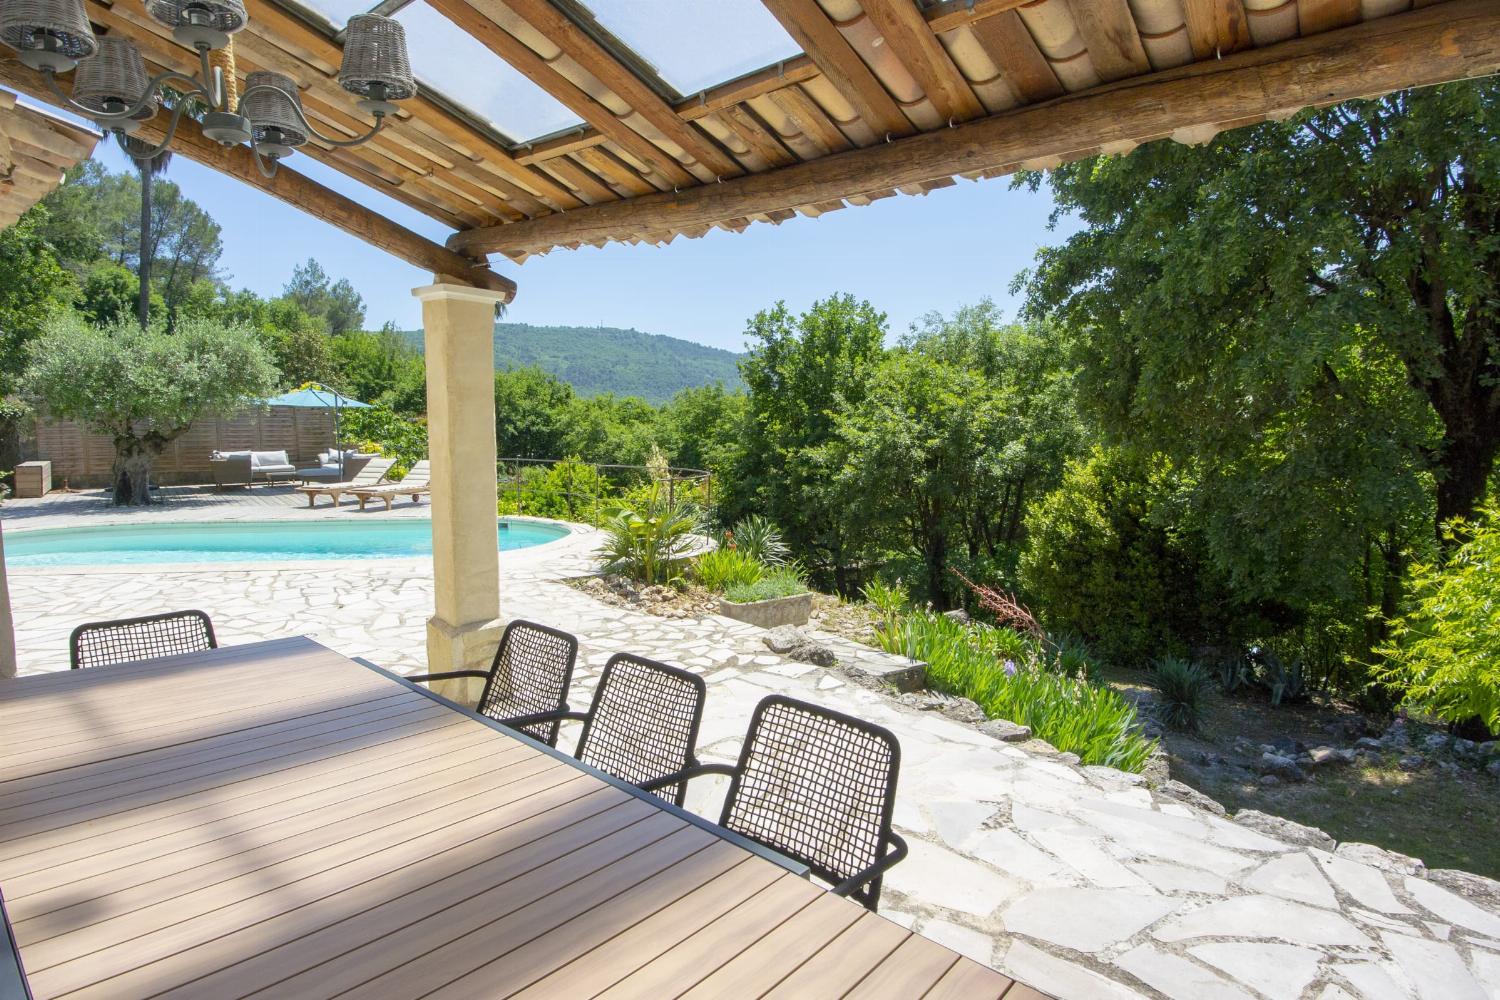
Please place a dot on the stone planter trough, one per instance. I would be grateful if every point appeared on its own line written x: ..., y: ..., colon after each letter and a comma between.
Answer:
x: 792, y: 610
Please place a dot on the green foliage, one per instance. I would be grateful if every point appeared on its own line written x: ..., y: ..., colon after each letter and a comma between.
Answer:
x: 33, y: 285
x: 109, y: 294
x: 336, y: 303
x: 802, y: 372
x: 1184, y: 687
x: 390, y: 434
x: 724, y: 567
x: 758, y: 538
x: 569, y: 490
x: 775, y: 581
x: 1444, y: 653
x: 649, y: 543
x: 1073, y: 715
x: 532, y: 411
x: 380, y: 368
x: 143, y: 388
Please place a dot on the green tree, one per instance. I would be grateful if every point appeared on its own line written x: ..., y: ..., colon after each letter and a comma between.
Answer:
x: 1333, y: 274
x: 339, y: 305
x: 33, y: 288
x: 109, y: 294
x: 144, y: 387
x: 801, y: 371
x: 533, y: 413
x: 704, y: 428
x: 1444, y: 653
x: 379, y: 368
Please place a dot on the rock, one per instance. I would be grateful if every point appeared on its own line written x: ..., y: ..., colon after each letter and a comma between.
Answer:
x: 1494, y: 768
x: 1379, y: 857
x: 1319, y: 756
x: 1489, y: 748
x: 1476, y: 889
x: 795, y: 644
x: 1369, y: 743
x: 957, y: 614
x: 1040, y: 746
x: 1412, y: 762
x: 1070, y: 758
x: 1436, y: 741
x: 1464, y: 746
x: 964, y: 710
x: 1006, y: 731
x: 1284, y: 829
x: 1187, y: 793
x: 1158, y: 770
x: 1282, y: 767
x: 1269, y: 779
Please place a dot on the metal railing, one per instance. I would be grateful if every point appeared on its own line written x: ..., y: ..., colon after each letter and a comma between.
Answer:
x: 602, y: 480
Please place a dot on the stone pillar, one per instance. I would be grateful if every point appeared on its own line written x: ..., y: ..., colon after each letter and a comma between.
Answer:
x: 462, y: 634
x: 7, y: 623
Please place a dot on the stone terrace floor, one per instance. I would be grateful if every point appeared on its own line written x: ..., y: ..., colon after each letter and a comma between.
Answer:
x: 1079, y: 880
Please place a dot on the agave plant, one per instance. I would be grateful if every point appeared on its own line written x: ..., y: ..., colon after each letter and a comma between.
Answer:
x: 649, y: 544
x: 759, y: 539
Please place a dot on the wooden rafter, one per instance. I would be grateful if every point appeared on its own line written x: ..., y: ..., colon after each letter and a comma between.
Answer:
x: 296, y: 190
x: 952, y: 14
x: 910, y: 37
x: 1021, y: 63
x: 1451, y: 41
x: 1216, y: 27
x: 604, y: 67
x: 1108, y: 31
x: 810, y: 28
x: 470, y: 16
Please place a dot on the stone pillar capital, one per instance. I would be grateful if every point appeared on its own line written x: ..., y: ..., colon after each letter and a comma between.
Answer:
x: 460, y: 293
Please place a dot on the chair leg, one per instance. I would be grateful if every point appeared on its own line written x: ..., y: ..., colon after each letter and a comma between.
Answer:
x: 388, y: 501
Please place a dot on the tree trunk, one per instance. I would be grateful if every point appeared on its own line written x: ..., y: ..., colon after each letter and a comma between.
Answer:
x: 1463, y: 473
x: 132, y: 471
x: 935, y: 553
x: 143, y: 303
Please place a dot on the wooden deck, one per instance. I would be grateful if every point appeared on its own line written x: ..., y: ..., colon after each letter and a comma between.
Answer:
x: 278, y: 820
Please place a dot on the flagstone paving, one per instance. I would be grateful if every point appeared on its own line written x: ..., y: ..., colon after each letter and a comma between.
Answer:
x: 1080, y: 880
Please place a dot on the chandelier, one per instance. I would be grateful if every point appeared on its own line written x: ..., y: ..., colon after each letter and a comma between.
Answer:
x: 111, y: 86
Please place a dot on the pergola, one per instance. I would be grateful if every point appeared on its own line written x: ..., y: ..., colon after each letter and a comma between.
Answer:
x: 864, y: 99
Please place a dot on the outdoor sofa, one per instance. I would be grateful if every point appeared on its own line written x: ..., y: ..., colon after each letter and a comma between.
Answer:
x: 246, y: 468
x: 327, y: 470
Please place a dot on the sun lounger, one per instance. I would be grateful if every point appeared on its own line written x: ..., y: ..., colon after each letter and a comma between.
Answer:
x: 370, y: 475
x: 414, y: 485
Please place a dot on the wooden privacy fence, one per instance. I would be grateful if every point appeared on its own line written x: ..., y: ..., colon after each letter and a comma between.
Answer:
x: 84, y: 458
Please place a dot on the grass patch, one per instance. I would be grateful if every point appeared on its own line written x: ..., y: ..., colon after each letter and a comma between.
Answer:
x: 1069, y: 712
x: 777, y: 582
x: 725, y: 567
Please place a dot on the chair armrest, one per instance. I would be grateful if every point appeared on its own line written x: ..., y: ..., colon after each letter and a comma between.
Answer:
x: 890, y: 858
x: 450, y: 675
x: 687, y: 774
x: 560, y: 715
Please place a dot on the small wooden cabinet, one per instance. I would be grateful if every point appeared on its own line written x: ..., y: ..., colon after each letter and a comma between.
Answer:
x: 33, y: 479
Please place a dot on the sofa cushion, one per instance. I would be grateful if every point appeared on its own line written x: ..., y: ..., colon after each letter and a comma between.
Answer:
x: 264, y: 459
x: 235, y: 456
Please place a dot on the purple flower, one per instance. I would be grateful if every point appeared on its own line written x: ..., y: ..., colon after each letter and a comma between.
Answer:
x: 1010, y: 668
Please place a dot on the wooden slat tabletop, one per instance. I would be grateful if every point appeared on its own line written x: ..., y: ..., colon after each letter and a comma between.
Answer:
x: 277, y: 820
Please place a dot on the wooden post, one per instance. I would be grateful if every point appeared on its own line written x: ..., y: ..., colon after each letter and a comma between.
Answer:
x: 459, y: 322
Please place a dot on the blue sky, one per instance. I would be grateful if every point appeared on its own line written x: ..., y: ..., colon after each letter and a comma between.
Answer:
x: 907, y: 255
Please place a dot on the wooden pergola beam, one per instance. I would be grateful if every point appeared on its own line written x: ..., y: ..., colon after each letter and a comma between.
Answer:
x: 914, y: 43
x: 296, y: 190
x: 1451, y: 41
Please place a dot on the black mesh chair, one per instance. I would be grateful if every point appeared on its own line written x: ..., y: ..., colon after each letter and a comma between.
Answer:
x: 818, y: 786
x: 526, y: 687
x: 98, y: 644
x: 643, y: 722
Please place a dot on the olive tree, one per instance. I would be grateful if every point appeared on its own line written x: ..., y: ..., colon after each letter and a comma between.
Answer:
x: 144, y: 388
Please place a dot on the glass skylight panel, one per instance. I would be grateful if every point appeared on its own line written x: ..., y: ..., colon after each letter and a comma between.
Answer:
x: 695, y: 44
x: 468, y: 74
x: 338, y: 12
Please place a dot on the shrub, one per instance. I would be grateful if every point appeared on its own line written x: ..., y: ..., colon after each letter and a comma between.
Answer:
x: 1184, y: 688
x: 648, y: 544
x: 377, y: 429
x: 724, y: 568
x: 779, y: 581
x: 890, y: 600
x: 1071, y: 714
x: 759, y: 539
x: 1444, y: 653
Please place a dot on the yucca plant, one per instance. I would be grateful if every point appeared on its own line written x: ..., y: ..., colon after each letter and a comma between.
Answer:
x: 759, y: 539
x: 649, y: 544
x: 1184, y: 690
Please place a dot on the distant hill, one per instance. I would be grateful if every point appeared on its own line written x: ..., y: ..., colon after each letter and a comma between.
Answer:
x: 599, y: 359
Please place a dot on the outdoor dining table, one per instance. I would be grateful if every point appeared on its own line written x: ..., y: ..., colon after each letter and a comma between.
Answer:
x: 277, y: 819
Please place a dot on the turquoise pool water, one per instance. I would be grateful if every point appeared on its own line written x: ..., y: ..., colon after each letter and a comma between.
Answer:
x: 245, y: 541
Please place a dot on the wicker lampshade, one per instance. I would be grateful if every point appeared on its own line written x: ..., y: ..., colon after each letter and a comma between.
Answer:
x: 225, y: 16
x: 375, y: 62
x: 275, y: 127
x: 114, y: 79
x: 42, y: 28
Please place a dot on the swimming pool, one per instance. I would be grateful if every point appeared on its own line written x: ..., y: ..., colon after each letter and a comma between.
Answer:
x: 246, y: 541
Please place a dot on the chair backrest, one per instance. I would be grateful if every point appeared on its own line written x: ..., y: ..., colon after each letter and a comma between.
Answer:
x: 98, y: 644
x: 643, y: 722
x: 817, y: 785
x: 418, y: 475
x: 373, y: 472
x: 530, y: 675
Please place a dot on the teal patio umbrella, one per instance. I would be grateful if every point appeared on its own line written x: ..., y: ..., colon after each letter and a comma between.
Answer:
x: 319, y: 397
